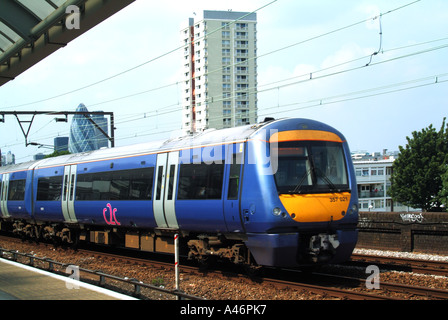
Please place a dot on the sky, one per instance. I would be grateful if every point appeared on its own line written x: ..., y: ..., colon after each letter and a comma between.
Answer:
x: 374, y: 70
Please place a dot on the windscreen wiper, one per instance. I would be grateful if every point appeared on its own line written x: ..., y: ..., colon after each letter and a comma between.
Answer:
x: 302, y: 180
x: 327, y: 180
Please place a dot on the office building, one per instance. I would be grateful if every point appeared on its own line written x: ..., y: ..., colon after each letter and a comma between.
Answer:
x: 220, y: 71
x: 101, y: 139
x: 61, y: 144
x: 84, y: 136
x: 8, y: 159
x: 373, y: 173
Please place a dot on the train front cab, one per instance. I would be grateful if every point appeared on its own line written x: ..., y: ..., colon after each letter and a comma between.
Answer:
x: 316, y: 201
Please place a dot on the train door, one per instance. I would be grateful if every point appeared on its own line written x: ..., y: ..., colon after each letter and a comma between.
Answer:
x: 232, y: 214
x: 4, y: 195
x: 68, y: 196
x: 165, y: 190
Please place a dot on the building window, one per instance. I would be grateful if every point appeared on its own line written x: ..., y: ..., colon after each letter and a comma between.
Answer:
x: 364, y: 204
x: 378, y: 204
x: 241, y: 25
x: 241, y: 69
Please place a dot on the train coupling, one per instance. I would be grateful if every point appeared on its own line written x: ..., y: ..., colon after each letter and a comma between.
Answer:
x: 322, y: 247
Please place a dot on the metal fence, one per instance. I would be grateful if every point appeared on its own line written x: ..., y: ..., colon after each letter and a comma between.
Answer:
x: 103, y: 278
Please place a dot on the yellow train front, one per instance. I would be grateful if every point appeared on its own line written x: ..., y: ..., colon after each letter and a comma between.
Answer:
x: 299, y: 197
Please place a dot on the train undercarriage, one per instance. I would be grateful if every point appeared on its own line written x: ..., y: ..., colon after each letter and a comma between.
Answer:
x: 199, y: 247
x: 310, y: 249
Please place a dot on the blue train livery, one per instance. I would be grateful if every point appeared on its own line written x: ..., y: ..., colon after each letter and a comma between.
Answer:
x: 280, y: 193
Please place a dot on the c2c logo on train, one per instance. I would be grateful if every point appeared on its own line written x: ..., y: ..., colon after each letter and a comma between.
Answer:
x: 112, y: 218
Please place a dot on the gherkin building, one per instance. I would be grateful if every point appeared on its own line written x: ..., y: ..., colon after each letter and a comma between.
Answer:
x: 82, y: 133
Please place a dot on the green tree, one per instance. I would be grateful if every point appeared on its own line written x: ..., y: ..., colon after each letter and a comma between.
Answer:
x: 56, y: 154
x: 417, y: 173
x: 443, y: 194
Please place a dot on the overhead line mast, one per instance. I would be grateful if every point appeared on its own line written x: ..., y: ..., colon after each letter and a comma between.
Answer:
x: 111, y: 138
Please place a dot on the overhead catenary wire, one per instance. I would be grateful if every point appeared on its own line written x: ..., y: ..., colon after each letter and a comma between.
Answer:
x: 303, y: 75
x: 203, y: 37
x: 319, y: 102
x: 177, y: 107
x: 135, y: 67
x: 130, y: 119
x: 254, y: 91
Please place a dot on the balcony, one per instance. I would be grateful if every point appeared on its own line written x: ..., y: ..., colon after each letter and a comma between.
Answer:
x: 242, y: 37
x: 371, y: 194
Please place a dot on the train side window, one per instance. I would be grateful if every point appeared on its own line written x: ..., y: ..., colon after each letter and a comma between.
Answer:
x: 234, y: 177
x: 64, y: 195
x: 16, y: 190
x: 133, y: 184
x: 200, y: 181
x: 141, y: 184
x: 49, y: 189
x: 72, y: 184
x: 171, y: 182
x: 84, y: 187
x: 101, y: 185
x: 119, y: 186
x: 159, y: 182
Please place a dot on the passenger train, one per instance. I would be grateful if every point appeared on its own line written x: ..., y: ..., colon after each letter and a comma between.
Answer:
x: 279, y: 193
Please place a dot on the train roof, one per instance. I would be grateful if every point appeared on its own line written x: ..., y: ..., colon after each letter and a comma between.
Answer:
x: 204, y: 138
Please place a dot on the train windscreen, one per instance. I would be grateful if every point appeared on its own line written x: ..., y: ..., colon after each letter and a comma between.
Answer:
x: 311, y: 167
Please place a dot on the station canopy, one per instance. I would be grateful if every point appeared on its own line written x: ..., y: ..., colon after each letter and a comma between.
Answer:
x: 31, y: 30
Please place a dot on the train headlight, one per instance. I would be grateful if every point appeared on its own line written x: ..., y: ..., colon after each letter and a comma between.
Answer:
x: 277, y: 211
x: 353, y: 209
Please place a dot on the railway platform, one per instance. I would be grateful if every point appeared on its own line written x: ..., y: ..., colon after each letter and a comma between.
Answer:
x: 21, y: 282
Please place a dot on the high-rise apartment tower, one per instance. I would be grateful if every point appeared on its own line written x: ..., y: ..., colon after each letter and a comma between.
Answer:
x: 220, y: 71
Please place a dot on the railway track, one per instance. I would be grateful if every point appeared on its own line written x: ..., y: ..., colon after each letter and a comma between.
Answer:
x: 329, y: 286
x: 404, y: 264
x: 299, y: 284
x: 335, y: 286
x: 388, y: 287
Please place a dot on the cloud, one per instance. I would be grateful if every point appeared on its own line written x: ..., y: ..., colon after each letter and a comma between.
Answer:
x: 346, y: 53
x: 371, y: 12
